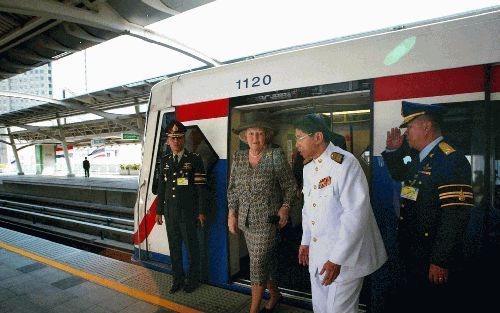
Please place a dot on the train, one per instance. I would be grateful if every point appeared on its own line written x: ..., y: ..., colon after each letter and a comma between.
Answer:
x: 358, y: 84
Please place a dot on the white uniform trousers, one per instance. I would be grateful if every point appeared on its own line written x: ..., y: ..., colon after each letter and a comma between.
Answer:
x: 338, y: 297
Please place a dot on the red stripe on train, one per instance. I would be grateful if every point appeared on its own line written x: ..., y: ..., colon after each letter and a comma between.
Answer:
x: 202, y: 110
x: 188, y: 112
x: 430, y: 84
x: 495, y: 79
x: 146, y: 225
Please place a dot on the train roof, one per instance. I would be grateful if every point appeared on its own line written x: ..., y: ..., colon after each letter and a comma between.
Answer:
x: 457, y: 42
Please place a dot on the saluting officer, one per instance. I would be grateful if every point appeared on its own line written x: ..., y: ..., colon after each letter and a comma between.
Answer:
x: 436, y: 198
x: 341, y: 241
x: 181, y: 198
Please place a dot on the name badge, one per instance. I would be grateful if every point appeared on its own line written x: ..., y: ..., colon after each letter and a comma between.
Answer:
x: 182, y: 181
x: 409, y: 192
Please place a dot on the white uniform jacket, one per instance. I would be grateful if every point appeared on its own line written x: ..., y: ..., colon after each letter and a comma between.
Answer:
x: 337, y: 218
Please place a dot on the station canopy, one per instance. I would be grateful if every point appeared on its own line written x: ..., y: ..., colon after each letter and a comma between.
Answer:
x: 188, y: 36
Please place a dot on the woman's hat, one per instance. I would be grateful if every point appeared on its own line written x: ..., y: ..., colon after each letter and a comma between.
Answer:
x: 254, y: 120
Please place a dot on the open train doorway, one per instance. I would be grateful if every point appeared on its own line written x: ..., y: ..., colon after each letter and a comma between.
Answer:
x: 348, y: 114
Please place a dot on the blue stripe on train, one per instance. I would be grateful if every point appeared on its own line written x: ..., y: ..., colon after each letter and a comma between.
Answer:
x: 218, y: 234
x: 385, y: 202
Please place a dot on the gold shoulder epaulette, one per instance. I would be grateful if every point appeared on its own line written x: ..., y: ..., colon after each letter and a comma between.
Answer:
x: 446, y: 148
x: 337, y: 157
x: 306, y: 161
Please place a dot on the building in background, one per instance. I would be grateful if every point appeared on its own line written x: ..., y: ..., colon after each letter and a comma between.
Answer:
x: 36, y: 82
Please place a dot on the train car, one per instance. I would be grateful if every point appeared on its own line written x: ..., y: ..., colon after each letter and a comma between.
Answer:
x: 358, y: 84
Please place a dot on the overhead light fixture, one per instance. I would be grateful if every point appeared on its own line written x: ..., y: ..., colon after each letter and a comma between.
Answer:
x: 347, y: 112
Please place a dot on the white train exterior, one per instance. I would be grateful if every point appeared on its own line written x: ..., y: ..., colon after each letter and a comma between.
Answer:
x: 451, y: 62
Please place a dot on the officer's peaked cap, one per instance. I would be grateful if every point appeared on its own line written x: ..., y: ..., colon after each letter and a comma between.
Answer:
x: 176, y: 129
x: 412, y: 110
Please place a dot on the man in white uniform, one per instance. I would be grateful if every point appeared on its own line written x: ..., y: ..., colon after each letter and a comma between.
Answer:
x: 341, y: 241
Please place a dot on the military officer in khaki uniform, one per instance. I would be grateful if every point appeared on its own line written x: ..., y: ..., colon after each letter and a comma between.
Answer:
x: 341, y: 242
x: 181, y: 199
x: 436, y: 198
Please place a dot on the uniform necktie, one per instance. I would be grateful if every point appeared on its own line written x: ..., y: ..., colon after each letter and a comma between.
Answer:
x: 176, y: 159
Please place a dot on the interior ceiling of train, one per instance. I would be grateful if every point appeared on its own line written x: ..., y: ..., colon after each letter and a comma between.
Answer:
x: 37, y: 32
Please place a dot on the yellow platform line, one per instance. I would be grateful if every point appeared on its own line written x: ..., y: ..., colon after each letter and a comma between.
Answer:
x: 104, y: 282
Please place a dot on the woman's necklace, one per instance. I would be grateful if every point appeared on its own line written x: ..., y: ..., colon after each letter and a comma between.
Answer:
x: 255, y: 155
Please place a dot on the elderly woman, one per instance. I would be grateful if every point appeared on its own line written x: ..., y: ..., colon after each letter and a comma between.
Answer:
x: 261, y: 188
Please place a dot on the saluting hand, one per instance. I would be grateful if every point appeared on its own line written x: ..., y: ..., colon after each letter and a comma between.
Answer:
x: 394, y: 139
x: 159, y: 219
x: 331, y: 271
x: 304, y: 255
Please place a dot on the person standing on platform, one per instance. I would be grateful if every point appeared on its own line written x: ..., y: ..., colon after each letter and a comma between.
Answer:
x: 341, y: 242
x: 436, y: 198
x: 86, y: 167
x: 181, y: 199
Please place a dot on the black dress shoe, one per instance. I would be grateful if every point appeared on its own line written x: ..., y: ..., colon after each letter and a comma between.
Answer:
x: 274, y: 308
x: 190, y: 287
x: 176, y: 286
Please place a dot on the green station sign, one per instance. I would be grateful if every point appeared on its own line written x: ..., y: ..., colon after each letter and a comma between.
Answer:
x: 130, y: 136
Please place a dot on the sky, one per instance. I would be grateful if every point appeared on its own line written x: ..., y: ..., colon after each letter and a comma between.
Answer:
x: 232, y: 29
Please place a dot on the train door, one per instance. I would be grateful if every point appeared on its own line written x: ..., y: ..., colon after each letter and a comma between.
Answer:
x: 195, y: 141
x: 346, y: 109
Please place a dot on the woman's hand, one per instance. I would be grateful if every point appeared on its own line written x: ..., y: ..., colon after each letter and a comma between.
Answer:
x: 232, y: 224
x: 283, y: 214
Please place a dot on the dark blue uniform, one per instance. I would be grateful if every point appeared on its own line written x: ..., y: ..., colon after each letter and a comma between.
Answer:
x: 181, y: 197
x: 436, y: 199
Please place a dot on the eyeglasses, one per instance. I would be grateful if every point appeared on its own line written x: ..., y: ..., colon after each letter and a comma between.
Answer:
x: 300, y: 138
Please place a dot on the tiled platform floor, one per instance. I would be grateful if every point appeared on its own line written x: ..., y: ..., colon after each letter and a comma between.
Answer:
x: 47, y: 285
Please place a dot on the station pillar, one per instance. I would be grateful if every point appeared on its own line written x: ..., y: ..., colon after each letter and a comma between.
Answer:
x: 14, y: 150
x: 65, y: 149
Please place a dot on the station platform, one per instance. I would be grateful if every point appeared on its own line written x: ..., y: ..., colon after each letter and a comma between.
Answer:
x: 37, y: 275
x: 117, y: 190
x: 120, y: 183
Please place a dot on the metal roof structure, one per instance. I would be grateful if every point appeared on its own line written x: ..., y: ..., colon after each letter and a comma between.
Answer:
x: 36, y: 32
x: 95, y: 103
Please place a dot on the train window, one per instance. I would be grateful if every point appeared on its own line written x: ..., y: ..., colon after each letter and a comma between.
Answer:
x: 162, y: 148
x: 463, y: 128
x: 495, y: 210
x: 195, y: 141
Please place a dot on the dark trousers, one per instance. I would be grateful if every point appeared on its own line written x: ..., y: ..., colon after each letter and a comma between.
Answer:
x: 415, y: 293
x: 87, y: 172
x: 178, y: 233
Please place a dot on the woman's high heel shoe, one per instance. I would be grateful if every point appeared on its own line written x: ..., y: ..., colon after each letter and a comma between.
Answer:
x: 274, y: 308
